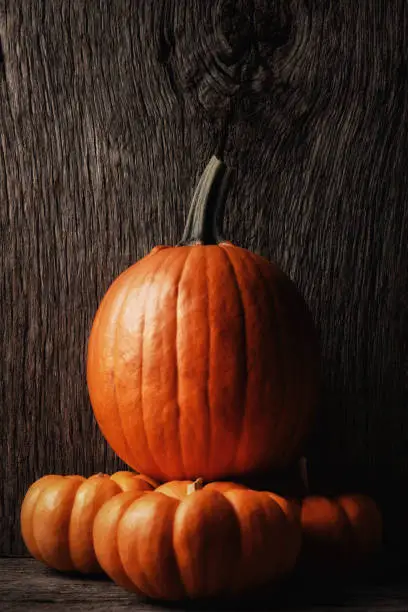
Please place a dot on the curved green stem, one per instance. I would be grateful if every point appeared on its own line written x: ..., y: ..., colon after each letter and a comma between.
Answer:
x: 204, y: 221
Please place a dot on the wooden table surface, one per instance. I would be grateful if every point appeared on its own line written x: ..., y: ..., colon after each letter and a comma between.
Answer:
x: 27, y: 585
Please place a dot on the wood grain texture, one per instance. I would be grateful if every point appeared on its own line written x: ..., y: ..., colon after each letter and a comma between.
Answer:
x: 108, y: 113
x: 25, y: 584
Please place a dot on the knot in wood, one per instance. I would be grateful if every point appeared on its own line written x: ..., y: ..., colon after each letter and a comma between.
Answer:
x: 233, y: 63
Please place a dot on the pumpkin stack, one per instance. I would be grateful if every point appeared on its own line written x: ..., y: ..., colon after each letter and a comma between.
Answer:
x: 203, y: 367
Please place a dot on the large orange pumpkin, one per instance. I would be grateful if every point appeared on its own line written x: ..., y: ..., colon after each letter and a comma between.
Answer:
x: 203, y: 358
x: 184, y: 543
x: 57, y: 516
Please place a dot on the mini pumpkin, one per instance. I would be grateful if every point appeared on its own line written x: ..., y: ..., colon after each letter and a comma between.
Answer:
x: 203, y: 358
x: 341, y: 533
x: 57, y: 516
x: 181, y: 542
x: 179, y: 489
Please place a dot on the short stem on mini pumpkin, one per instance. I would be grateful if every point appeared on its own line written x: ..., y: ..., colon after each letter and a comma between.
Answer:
x: 304, y: 474
x: 195, y: 486
x: 204, y: 221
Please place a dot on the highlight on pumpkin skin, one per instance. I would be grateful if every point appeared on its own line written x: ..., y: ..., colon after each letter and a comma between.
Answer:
x: 191, y: 352
x: 191, y: 540
x: 131, y: 481
x: 179, y: 489
x: 57, y: 515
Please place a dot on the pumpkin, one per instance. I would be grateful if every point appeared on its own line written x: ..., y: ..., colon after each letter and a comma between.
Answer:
x: 200, y: 543
x: 179, y: 489
x: 341, y: 533
x: 57, y: 516
x: 203, y: 358
x: 106, y: 522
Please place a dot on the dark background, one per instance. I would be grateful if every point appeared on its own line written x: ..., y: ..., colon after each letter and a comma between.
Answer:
x: 109, y: 111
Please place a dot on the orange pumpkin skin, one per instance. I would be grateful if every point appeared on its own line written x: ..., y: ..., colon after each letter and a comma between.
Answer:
x: 129, y: 481
x: 203, y: 545
x: 175, y: 488
x: 190, y: 360
x: 339, y: 534
x: 224, y: 485
x: 57, y: 517
x: 179, y: 489
x: 104, y: 536
x: 366, y: 523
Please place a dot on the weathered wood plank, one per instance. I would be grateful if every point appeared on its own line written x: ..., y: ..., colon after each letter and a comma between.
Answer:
x: 27, y: 585
x: 109, y: 111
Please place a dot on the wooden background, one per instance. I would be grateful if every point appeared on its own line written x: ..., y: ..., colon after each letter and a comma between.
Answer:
x: 109, y: 111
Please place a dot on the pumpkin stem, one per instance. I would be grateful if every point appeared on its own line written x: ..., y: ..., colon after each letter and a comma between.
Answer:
x: 204, y: 221
x: 195, y: 486
x: 304, y: 475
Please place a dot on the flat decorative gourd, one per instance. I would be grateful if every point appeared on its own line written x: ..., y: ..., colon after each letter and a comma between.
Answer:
x: 203, y: 358
x: 57, y: 516
x: 196, y: 543
x: 339, y: 534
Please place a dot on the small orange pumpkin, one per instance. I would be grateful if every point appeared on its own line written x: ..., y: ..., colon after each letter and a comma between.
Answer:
x: 179, y: 489
x: 341, y: 533
x: 182, y: 542
x: 203, y: 358
x: 57, y: 516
